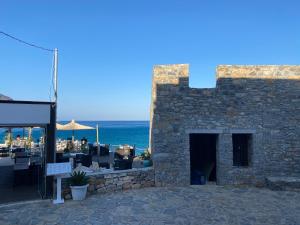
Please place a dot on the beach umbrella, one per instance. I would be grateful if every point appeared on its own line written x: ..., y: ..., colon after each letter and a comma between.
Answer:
x: 75, y: 126
x: 59, y: 126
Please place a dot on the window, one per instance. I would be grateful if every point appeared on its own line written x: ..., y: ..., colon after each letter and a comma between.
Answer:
x: 241, y: 149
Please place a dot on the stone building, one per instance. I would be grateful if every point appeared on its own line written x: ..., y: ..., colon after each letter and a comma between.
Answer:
x: 243, y: 131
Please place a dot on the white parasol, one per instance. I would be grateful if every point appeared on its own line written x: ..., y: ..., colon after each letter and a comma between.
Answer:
x: 75, y: 126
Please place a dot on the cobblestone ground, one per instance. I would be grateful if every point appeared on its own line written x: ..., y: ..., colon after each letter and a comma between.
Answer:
x: 207, y: 204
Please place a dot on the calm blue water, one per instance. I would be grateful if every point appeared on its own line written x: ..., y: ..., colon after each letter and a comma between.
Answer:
x: 110, y: 132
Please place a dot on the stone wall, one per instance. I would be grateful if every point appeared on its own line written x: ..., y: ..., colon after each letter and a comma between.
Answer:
x: 261, y: 100
x: 105, y: 182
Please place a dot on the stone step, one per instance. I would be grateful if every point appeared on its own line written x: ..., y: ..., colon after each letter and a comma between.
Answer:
x: 283, y: 183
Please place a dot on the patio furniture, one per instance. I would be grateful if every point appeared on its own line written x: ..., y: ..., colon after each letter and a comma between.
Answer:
x: 137, y: 163
x: 84, y: 159
x: 4, y: 152
x: 104, y: 150
x: 15, y: 150
x: 124, y: 158
x: 125, y: 151
x: 122, y: 164
x: 106, y: 160
x: 92, y: 149
x: 61, y: 158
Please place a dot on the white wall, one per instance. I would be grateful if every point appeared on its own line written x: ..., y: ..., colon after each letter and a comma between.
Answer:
x: 24, y: 114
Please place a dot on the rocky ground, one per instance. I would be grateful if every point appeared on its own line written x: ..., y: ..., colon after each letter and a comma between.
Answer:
x: 208, y: 204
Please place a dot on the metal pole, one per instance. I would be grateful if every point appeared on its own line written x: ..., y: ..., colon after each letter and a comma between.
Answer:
x: 55, y: 74
x: 97, y: 139
x: 55, y: 96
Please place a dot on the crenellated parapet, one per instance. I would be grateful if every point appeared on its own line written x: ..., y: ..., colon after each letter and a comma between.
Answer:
x: 258, y: 72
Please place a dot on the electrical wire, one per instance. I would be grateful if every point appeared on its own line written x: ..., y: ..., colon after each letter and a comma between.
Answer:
x: 39, y: 47
x: 25, y: 42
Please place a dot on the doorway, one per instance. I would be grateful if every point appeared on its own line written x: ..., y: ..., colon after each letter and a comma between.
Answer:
x: 203, y: 161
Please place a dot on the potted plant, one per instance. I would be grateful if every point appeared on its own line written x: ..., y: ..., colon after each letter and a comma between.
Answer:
x: 146, y: 157
x: 78, y: 184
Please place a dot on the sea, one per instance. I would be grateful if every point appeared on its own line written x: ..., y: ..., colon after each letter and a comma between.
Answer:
x: 110, y: 132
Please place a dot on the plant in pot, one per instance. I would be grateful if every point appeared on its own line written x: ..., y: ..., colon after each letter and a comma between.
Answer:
x: 78, y: 184
x: 146, y: 157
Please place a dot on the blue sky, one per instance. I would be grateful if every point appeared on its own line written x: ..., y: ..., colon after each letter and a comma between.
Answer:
x: 107, y: 48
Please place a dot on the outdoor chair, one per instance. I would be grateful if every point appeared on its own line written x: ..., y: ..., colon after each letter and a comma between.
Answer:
x: 106, y: 160
x: 124, y: 158
x: 85, y: 160
x: 4, y: 152
x: 104, y: 150
x: 60, y: 158
x: 92, y: 149
x: 125, y: 152
x: 18, y: 150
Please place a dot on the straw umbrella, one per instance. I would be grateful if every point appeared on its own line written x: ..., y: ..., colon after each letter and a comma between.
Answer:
x: 75, y: 126
x: 59, y: 126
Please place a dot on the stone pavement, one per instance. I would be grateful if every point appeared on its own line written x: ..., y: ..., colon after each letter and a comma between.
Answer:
x: 208, y: 204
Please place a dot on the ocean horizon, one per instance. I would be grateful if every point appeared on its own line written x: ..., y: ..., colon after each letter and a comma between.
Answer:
x: 110, y: 132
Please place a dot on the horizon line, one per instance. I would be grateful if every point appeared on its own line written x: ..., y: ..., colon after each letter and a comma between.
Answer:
x: 109, y: 120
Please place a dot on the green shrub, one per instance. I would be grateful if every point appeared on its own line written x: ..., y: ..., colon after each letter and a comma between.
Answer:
x: 78, y: 179
x: 146, y: 155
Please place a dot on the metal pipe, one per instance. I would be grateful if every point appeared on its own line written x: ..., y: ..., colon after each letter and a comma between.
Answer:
x: 55, y: 74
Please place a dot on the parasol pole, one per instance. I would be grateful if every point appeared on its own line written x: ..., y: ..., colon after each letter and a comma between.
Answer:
x: 73, y: 136
x: 97, y: 139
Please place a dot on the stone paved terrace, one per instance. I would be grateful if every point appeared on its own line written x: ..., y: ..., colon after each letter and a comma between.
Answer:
x: 208, y: 204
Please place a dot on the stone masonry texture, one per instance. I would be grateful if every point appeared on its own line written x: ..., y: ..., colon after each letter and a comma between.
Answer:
x: 263, y: 101
x: 115, y: 181
x: 190, y: 205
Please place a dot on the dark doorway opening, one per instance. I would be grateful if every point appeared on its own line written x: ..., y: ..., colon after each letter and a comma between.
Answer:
x: 203, y: 149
